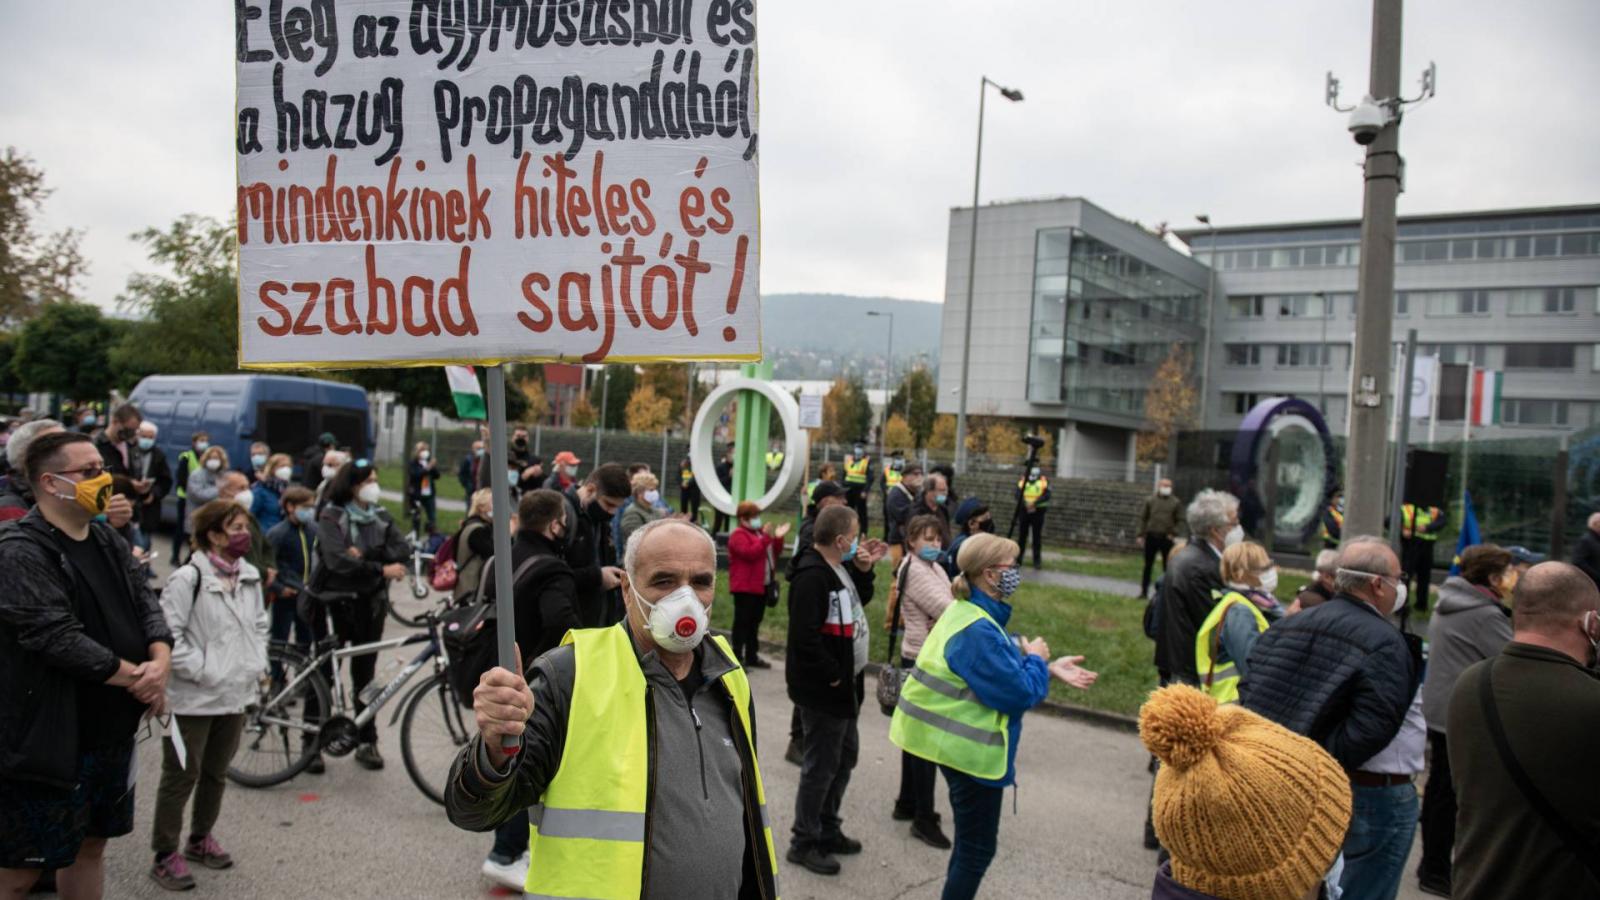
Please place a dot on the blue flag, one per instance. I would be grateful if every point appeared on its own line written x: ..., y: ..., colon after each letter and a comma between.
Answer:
x: 1469, y: 532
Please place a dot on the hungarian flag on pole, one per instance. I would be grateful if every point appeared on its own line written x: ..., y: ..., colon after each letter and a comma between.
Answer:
x: 1486, y: 384
x: 1469, y: 532
x: 468, y: 396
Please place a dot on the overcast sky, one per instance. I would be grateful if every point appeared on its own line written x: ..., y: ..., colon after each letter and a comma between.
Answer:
x: 1154, y: 110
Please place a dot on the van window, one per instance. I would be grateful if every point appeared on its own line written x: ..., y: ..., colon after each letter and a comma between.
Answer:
x: 285, y: 429
x: 347, y: 426
x: 189, y: 409
x: 157, y: 408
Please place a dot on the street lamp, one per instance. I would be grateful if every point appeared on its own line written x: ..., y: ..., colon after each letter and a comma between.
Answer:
x: 888, y: 372
x: 1015, y: 96
x: 1211, y: 300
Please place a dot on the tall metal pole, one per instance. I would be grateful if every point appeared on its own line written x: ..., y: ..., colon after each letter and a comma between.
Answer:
x: 500, y: 484
x: 1466, y: 433
x: 1402, y: 443
x: 1364, y: 500
x: 972, y: 272
x: 888, y: 378
x: 1322, y: 367
x: 1211, y: 307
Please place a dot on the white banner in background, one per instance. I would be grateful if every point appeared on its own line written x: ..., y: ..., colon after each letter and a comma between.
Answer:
x: 1424, y: 372
x: 428, y: 182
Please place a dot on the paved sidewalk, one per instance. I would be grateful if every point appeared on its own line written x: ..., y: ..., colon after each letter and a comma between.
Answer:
x: 444, y: 503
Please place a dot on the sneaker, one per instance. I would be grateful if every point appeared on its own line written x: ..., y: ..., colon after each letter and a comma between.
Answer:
x: 512, y: 875
x: 794, y: 755
x: 756, y: 662
x: 316, y: 766
x: 931, y: 834
x: 368, y: 757
x: 841, y: 845
x: 207, y: 852
x: 814, y: 859
x: 902, y: 814
x: 1437, y: 885
x: 172, y: 873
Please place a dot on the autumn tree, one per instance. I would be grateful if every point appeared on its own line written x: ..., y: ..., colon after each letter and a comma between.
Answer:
x: 916, y: 399
x: 533, y: 396
x: 943, y: 435
x: 1169, y: 405
x: 648, y: 412
x: 846, y: 412
x: 1000, y: 438
x: 671, y: 383
x: 897, y: 433
x: 35, y: 268
x: 584, y: 414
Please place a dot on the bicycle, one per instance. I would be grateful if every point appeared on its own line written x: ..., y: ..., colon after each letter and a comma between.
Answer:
x: 417, y: 573
x: 301, y: 706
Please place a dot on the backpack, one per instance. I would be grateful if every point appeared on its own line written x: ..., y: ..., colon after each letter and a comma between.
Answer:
x: 444, y: 576
x: 1152, y: 609
x: 471, y: 634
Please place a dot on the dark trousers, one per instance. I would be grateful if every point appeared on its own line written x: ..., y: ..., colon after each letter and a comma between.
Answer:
x: 510, y: 839
x: 430, y: 512
x: 831, y: 748
x: 180, y: 531
x: 748, y: 611
x: 360, y: 621
x: 1438, y: 811
x: 285, y: 618
x: 689, y: 504
x: 210, y: 742
x: 1418, y: 565
x: 975, y: 808
x: 917, y: 777
x: 1153, y: 544
x: 856, y: 499
x: 797, y: 728
x: 1030, y: 522
x: 720, y: 523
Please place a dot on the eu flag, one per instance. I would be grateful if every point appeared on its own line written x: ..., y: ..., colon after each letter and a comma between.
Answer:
x: 1469, y: 533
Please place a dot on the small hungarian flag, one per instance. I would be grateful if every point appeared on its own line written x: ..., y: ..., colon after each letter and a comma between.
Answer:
x: 468, y: 396
x: 1486, y: 384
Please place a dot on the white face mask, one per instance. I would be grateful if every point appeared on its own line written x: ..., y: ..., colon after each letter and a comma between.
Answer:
x: 678, y: 621
x: 1234, y: 536
x: 369, y: 493
x: 1164, y: 491
x: 1399, y: 597
x: 1269, y: 581
x: 651, y: 497
x: 244, y: 499
x: 329, y: 471
x: 283, y: 473
x: 424, y: 455
x: 213, y: 464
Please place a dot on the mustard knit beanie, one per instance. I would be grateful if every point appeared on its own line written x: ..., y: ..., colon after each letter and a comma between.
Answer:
x: 1248, y: 809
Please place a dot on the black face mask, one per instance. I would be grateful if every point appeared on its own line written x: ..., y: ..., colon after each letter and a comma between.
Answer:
x: 987, y: 527
x: 520, y: 443
x: 597, y: 513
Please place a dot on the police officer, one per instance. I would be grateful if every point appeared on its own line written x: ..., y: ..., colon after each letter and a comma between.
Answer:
x: 1033, y: 492
x: 858, y: 477
x: 894, y: 469
x: 1419, y: 531
x: 1333, y: 520
x: 188, y: 461
x: 688, y: 491
x: 774, y: 458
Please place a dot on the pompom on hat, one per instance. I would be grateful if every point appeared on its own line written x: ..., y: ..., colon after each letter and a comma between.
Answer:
x: 1248, y: 809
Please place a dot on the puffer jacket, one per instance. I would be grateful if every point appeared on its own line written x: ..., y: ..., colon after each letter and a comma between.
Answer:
x: 925, y: 598
x: 219, y: 647
x: 1339, y: 674
x: 1469, y: 624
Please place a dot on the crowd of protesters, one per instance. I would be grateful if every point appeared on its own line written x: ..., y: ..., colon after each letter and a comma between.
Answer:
x: 1288, y: 740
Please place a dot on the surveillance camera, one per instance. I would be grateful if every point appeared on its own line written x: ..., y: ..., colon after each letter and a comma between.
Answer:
x: 1366, y: 120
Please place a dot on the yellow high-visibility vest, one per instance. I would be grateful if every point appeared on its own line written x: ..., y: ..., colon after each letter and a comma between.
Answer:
x: 939, y: 718
x: 1417, y: 521
x: 855, y: 470
x: 891, y: 477
x: 774, y: 459
x: 587, y: 833
x: 1220, y: 682
x: 1033, y: 490
x: 685, y: 477
x: 193, y: 459
x: 1338, y: 519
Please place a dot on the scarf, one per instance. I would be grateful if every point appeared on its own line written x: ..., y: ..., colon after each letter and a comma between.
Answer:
x: 361, y: 516
x: 226, y: 569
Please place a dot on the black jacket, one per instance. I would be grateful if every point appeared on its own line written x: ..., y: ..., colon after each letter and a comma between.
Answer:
x: 589, y: 549
x: 897, y: 511
x: 44, y: 653
x: 820, y: 663
x: 1586, y: 555
x: 417, y: 471
x: 340, y: 576
x: 546, y: 599
x: 1337, y: 673
x: 1191, y: 577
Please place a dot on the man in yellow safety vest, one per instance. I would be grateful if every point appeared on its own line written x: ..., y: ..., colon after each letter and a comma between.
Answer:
x: 857, y: 479
x: 188, y: 461
x: 1033, y: 494
x: 1333, y: 521
x: 1419, y: 531
x: 614, y: 725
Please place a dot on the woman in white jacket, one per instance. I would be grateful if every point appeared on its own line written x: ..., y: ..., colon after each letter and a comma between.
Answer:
x: 924, y: 596
x: 219, y: 622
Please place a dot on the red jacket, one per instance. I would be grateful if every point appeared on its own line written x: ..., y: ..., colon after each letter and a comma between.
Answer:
x: 748, y: 569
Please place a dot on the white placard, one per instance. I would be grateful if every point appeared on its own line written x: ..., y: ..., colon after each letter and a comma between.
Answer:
x: 1424, y: 371
x: 432, y: 181
x: 810, y: 410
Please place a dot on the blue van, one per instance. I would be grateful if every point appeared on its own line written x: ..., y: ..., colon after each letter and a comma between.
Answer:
x: 285, y: 412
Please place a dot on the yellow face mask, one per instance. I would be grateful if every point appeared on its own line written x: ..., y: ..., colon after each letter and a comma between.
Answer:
x: 93, y: 494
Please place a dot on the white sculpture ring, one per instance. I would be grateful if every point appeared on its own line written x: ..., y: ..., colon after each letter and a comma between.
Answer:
x: 701, y: 437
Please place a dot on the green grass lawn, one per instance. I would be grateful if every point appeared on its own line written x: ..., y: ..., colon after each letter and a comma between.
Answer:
x: 392, y: 477
x: 449, y: 520
x: 1129, y: 566
x: 1104, y: 629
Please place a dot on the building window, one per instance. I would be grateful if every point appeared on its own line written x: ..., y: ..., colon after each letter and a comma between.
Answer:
x: 1534, y: 412
x: 1299, y: 356
x: 1594, y: 361
x: 1453, y: 303
x: 1541, y: 356
x: 1539, y: 301
x: 1456, y: 354
x: 1243, y: 355
x: 1245, y: 307
x: 1303, y: 306
x: 1241, y: 403
x: 1402, y: 305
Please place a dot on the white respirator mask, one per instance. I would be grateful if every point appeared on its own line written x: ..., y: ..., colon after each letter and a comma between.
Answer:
x: 678, y: 621
x: 369, y: 493
x: 1234, y: 536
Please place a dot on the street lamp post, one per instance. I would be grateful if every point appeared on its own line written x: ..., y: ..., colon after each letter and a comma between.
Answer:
x: 1322, y: 359
x: 888, y: 376
x: 1015, y: 96
x: 1211, y: 301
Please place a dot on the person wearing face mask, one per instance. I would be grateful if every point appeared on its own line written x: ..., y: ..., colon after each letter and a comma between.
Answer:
x: 332, y: 462
x: 474, y: 544
x: 313, y: 461
x: 934, y: 499
x: 152, y: 478
x: 1345, y: 676
x: 1524, y: 745
x: 636, y: 768
x: 188, y: 462
x: 724, y: 473
x: 962, y: 706
x: 924, y: 598
x: 1194, y: 573
x: 205, y: 478
x: 360, y: 551
x: 899, y: 505
x: 294, y: 543
x: 234, y: 486
x: 1331, y: 527
x: 858, y: 477
x: 1472, y: 622
x: 16, y: 497
x: 590, y: 550
x: 1245, y: 609
x: 467, y: 468
x: 1159, y: 519
x: 84, y: 655
x: 826, y: 655
x: 641, y: 508
x: 688, y: 491
x: 422, y: 487
x: 117, y: 442
x: 217, y: 611
x: 1033, y: 494
x: 565, y: 476
x: 972, y: 517
x: 753, y: 550
x: 266, y: 494
x: 259, y: 468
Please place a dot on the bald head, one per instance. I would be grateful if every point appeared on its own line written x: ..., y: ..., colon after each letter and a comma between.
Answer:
x: 1365, y: 570
x: 1551, y: 598
x: 231, y: 484
x: 1594, y: 523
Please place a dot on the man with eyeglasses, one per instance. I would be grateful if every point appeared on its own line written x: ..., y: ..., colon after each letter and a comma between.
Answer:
x: 84, y: 655
x: 1345, y: 676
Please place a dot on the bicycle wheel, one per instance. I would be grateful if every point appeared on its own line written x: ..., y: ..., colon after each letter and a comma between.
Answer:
x: 279, y: 736
x: 434, y: 729
x: 407, y: 610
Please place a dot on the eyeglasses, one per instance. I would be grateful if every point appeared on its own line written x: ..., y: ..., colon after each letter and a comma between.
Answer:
x: 88, y: 472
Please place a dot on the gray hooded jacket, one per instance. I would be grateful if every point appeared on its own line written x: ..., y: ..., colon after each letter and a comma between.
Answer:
x: 1468, y: 625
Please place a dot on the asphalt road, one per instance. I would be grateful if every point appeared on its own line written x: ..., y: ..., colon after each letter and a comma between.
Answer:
x: 1075, y: 833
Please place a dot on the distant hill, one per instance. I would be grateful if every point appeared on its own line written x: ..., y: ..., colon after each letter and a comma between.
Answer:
x: 838, y: 325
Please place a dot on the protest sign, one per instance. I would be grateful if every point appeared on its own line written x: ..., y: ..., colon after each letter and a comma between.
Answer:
x: 424, y: 182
